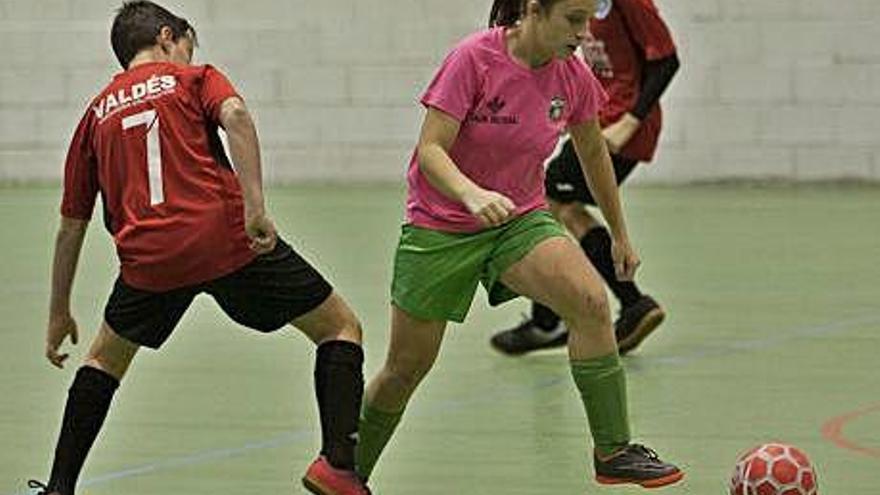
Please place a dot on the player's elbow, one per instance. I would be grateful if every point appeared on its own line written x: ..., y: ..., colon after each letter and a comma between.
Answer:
x: 71, y: 231
x: 72, y: 226
x: 423, y: 153
x: 235, y: 116
x: 430, y: 150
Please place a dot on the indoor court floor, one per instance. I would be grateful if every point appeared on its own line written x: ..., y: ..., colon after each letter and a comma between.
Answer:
x: 773, y: 334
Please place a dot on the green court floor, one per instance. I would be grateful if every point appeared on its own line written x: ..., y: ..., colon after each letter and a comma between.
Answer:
x: 772, y: 334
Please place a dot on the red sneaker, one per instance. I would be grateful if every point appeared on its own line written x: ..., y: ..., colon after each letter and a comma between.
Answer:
x: 323, y: 479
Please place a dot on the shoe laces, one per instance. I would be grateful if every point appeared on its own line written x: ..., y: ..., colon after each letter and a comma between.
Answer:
x: 645, y: 451
x: 44, y: 490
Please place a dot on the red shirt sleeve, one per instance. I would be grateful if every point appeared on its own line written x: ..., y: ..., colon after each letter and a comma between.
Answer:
x: 80, y: 173
x: 214, y: 91
x: 647, y: 28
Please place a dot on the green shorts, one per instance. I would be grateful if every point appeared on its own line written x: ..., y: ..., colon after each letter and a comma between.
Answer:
x: 436, y: 273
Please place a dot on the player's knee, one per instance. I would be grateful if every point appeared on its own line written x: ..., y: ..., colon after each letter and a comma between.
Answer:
x: 114, y: 366
x: 352, y: 330
x: 408, y: 372
x: 597, y: 306
x: 348, y: 325
x: 338, y: 323
x: 589, y: 306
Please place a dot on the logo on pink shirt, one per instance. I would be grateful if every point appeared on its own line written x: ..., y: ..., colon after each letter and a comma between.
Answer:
x: 495, y: 105
x: 557, y: 108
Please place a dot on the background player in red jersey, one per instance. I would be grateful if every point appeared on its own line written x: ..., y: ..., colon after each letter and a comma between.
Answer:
x: 184, y: 222
x: 632, y: 53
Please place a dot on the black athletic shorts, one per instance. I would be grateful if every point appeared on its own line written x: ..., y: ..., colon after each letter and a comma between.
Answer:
x: 565, y: 180
x: 264, y: 295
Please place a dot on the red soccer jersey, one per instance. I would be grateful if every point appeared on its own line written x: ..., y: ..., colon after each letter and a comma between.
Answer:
x: 631, y: 34
x: 149, y: 144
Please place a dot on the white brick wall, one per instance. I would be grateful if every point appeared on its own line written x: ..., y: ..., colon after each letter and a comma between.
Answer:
x: 824, y: 163
x: 775, y: 89
x: 768, y: 88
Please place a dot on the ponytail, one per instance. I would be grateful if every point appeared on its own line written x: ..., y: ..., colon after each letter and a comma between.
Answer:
x: 505, y: 12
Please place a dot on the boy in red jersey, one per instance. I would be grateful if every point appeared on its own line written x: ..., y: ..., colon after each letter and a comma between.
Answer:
x: 185, y: 222
x: 632, y: 53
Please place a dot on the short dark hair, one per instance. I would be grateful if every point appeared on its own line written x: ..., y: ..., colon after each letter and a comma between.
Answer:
x: 508, y: 12
x: 136, y: 25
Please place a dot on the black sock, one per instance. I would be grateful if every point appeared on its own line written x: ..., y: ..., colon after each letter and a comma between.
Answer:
x: 544, y: 317
x: 597, y: 244
x: 88, y: 401
x: 339, y: 386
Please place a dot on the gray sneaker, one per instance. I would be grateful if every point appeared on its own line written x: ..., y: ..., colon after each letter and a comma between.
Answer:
x: 638, y: 465
x: 527, y: 337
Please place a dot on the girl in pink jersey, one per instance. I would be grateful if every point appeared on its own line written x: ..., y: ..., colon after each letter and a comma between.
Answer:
x: 476, y: 214
x: 633, y: 55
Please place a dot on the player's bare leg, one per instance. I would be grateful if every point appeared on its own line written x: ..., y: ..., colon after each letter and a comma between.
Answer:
x: 412, y: 351
x: 557, y: 273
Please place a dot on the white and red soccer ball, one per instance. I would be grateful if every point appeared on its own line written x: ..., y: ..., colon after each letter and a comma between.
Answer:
x: 773, y: 469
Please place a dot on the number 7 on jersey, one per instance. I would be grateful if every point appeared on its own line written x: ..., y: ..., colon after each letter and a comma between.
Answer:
x: 154, y: 151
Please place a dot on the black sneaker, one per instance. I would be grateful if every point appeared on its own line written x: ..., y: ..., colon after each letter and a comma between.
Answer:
x: 42, y: 489
x: 527, y: 337
x: 636, y: 464
x: 637, y: 322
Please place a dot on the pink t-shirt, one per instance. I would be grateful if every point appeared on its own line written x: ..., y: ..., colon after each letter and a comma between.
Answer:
x: 511, y: 119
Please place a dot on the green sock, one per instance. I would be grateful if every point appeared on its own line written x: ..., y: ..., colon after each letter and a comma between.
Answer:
x: 602, y: 383
x: 374, y: 430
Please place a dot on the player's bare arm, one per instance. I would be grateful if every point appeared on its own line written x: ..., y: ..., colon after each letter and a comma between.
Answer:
x: 439, y: 131
x: 68, y: 244
x: 599, y: 172
x: 244, y: 146
x: 618, y: 134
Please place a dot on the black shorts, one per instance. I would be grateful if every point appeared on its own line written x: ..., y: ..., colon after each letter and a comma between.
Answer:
x: 264, y: 295
x: 565, y: 180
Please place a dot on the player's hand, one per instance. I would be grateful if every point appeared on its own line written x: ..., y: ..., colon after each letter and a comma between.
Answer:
x: 59, y: 328
x: 491, y: 208
x: 619, y: 133
x: 626, y: 261
x: 261, y: 231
